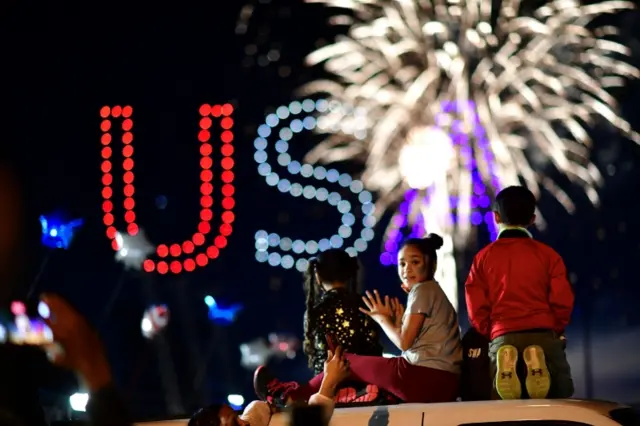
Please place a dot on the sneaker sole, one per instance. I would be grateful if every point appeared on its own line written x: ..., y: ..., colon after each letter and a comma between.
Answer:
x: 508, y: 384
x: 349, y: 396
x: 538, y: 379
x: 370, y: 394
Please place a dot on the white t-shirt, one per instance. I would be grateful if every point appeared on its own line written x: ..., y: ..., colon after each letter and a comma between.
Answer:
x: 258, y: 413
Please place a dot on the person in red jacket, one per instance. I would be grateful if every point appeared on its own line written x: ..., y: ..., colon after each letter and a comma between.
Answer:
x: 518, y: 296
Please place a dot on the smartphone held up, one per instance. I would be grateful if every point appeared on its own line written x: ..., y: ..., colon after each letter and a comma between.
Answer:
x: 19, y: 326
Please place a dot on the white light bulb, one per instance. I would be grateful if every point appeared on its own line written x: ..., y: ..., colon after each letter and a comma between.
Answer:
x: 146, y: 326
x: 79, y: 401
x: 22, y: 322
x: 235, y: 400
x: 426, y: 157
x: 43, y: 310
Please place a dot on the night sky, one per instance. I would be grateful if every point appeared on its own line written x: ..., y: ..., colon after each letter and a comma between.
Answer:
x: 62, y: 63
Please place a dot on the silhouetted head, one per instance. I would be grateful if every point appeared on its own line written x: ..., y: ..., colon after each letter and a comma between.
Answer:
x: 515, y: 206
x: 417, y: 260
x: 333, y: 268
x: 216, y: 415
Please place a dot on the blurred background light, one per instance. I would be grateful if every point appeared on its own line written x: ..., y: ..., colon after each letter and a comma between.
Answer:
x: 235, y: 401
x: 78, y: 401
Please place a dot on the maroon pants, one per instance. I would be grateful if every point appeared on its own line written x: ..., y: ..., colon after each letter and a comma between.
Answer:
x: 411, y: 383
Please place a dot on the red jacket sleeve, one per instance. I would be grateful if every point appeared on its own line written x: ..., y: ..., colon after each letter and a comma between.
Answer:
x: 560, y: 294
x: 477, y: 295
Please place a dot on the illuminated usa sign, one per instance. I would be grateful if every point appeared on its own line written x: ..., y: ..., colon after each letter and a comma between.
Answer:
x: 197, y: 250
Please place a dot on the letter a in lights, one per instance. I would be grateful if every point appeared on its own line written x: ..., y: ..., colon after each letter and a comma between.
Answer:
x: 193, y: 252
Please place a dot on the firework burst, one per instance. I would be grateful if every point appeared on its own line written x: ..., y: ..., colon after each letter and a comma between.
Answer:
x: 444, y: 104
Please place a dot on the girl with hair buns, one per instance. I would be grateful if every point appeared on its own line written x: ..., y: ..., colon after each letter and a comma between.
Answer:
x: 333, y: 309
x: 426, y: 332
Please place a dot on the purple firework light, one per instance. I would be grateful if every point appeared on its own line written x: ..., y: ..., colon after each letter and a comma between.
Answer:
x: 451, y: 112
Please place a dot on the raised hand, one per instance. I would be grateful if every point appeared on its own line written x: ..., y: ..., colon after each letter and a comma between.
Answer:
x: 77, y: 346
x: 378, y: 309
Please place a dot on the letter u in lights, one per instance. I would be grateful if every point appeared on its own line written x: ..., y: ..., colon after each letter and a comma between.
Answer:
x: 195, y: 251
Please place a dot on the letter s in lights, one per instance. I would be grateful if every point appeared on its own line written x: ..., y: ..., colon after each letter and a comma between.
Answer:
x: 193, y: 252
x: 282, y: 126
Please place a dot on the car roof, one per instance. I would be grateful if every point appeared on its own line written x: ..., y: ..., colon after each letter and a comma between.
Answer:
x: 591, y: 412
x: 597, y: 406
x: 468, y: 413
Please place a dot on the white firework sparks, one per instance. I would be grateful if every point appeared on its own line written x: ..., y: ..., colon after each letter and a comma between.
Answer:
x: 524, y: 89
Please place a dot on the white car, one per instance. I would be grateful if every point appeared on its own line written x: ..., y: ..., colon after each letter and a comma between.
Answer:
x: 557, y: 412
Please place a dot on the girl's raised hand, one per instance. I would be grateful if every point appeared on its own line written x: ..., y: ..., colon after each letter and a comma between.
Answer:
x: 377, y: 308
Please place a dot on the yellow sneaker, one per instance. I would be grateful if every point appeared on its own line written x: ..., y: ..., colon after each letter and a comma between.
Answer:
x: 508, y: 384
x: 538, y: 379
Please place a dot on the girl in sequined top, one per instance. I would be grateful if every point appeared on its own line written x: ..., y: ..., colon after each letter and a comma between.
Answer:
x: 333, y: 308
x: 426, y: 331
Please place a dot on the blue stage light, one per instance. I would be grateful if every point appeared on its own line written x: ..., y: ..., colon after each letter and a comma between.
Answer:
x: 58, y: 233
x: 219, y: 314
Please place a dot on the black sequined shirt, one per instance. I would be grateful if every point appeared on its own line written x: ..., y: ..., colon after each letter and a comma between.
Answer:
x: 337, y: 314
